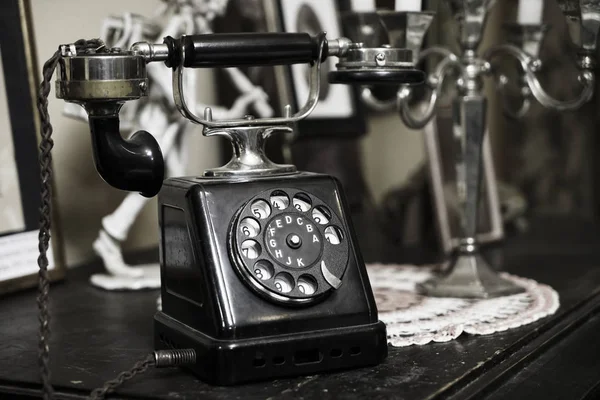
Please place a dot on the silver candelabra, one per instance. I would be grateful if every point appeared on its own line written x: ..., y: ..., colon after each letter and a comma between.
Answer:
x: 469, y: 275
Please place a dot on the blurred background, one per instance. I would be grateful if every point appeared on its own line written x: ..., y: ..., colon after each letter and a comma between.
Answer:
x: 390, y: 150
x: 82, y: 197
x: 547, y: 155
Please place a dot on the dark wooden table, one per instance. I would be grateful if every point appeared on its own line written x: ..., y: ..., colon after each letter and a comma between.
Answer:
x: 96, y: 334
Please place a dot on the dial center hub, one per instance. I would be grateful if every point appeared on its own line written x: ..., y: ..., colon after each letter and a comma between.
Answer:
x: 293, y: 240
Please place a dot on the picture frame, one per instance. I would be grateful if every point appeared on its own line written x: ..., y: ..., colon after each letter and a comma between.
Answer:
x: 255, y: 16
x: 20, y: 180
x: 440, y: 150
x: 339, y: 111
x: 289, y: 85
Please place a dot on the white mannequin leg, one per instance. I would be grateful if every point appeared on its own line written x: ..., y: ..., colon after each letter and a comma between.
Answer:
x: 153, y: 118
x: 115, y: 228
x: 118, y: 223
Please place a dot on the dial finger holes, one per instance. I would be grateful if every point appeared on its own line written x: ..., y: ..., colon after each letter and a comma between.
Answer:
x: 321, y: 215
x: 263, y: 270
x: 249, y: 227
x: 279, y: 200
x: 307, y: 285
x: 261, y: 209
x: 302, y: 202
x: 251, y: 249
x: 333, y: 234
x: 284, y: 282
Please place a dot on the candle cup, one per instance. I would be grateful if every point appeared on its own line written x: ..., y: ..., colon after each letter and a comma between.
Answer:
x: 471, y: 16
x: 406, y: 29
x: 527, y: 37
x: 583, y: 22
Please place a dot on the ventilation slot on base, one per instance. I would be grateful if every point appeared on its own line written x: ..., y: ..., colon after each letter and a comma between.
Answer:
x: 307, y: 356
x: 336, y: 353
x: 259, y: 362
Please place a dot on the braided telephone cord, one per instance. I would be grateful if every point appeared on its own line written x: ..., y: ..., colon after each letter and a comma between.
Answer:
x: 139, y: 368
x: 46, y: 145
x: 162, y: 358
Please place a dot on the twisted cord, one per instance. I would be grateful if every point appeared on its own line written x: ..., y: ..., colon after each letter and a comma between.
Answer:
x: 139, y: 368
x: 46, y: 144
x: 45, y: 160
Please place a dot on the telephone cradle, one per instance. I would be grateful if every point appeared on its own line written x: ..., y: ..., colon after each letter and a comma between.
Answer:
x: 263, y: 278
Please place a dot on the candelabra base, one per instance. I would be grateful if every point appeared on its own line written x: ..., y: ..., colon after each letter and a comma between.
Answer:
x: 469, y: 276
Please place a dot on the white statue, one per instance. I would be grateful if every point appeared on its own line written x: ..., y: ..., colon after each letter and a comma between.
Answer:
x: 157, y: 114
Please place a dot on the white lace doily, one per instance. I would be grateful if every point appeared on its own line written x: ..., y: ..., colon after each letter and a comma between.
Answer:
x: 412, y: 318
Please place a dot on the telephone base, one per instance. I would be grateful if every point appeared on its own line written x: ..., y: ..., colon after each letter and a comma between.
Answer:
x: 231, y: 362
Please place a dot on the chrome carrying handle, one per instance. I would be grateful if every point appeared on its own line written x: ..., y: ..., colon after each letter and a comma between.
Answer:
x: 210, y: 125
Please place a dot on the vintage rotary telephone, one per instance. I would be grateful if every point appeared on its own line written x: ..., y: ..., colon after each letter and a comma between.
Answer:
x: 261, y: 275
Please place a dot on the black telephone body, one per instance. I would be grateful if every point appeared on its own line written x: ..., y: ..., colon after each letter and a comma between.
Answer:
x: 260, y: 269
x: 248, y: 314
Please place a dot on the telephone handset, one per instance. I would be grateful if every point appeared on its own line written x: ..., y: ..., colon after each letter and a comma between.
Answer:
x: 260, y: 271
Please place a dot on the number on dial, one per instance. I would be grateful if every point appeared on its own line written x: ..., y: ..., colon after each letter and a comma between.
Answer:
x: 279, y: 200
x: 251, y: 249
x: 333, y: 234
x: 250, y: 227
x: 321, y: 215
x: 302, y: 202
x: 261, y: 209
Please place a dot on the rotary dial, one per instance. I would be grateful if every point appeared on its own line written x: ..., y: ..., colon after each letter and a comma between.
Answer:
x: 289, y: 246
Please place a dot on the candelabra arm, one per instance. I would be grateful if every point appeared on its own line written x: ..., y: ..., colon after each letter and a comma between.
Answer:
x: 435, y: 82
x: 508, y: 109
x: 587, y: 78
x: 436, y: 51
x: 530, y: 65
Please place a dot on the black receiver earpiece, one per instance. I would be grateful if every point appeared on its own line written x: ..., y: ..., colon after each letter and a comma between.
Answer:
x: 101, y: 82
x: 135, y: 164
